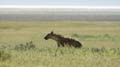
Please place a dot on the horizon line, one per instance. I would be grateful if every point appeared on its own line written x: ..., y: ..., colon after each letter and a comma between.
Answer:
x: 59, y: 6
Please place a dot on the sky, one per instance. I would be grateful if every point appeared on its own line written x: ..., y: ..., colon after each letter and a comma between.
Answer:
x: 62, y: 2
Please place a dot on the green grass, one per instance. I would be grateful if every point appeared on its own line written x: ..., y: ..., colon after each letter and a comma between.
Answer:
x: 100, y: 44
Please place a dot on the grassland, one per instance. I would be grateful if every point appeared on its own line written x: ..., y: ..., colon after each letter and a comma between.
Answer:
x: 101, y: 42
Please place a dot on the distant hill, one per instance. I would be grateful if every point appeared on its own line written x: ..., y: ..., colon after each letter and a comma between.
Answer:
x: 28, y: 14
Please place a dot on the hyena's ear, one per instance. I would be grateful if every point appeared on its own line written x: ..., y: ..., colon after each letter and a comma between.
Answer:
x: 51, y: 32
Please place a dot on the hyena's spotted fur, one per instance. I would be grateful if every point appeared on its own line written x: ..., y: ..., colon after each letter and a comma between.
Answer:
x: 62, y: 41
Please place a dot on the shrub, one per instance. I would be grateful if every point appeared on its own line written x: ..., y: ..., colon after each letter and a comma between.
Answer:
x: 75, y: 35
x: 27, y: 46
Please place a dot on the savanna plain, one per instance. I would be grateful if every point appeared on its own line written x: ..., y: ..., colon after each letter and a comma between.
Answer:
x: 22, y: 44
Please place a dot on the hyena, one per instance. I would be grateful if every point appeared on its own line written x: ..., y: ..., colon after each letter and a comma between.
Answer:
x: 62, y: 41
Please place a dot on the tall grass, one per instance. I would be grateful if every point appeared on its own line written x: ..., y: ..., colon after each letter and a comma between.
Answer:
x: 57, y: 57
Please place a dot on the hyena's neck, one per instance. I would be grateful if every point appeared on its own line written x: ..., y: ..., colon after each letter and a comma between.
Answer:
x: 56, y: 38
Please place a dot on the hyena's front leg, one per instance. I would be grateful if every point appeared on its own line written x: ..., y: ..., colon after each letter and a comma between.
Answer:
x: 62, y: 44
x: 58, y: 44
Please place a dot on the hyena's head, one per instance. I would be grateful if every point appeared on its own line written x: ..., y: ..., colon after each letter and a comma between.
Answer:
x: 49, y: 35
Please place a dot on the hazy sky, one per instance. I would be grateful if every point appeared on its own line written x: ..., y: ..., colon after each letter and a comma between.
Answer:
x: 62, y: 2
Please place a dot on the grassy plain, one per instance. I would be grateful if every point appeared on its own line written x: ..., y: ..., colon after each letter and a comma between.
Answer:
x: 100, y: 39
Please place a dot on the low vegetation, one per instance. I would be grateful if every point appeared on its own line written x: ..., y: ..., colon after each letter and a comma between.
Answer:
x: 22, y: 44
x: 26, y: 46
